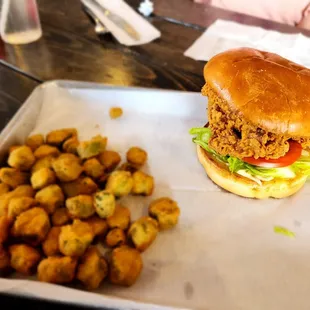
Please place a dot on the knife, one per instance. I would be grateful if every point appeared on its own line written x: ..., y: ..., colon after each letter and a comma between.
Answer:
x: 117, y: 20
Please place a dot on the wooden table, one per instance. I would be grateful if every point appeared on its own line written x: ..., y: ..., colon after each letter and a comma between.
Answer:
x: 70, y: 49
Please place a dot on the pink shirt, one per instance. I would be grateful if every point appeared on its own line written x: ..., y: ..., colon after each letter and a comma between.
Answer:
x: 284, y: 11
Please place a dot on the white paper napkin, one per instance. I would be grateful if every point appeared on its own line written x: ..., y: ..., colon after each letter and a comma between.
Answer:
x: 146, y: 30
x: 223, y: 35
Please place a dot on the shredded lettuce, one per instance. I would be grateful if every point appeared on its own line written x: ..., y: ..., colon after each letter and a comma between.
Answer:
x: 284, y: 231
x: 234, y: 164
x: 250, y: 176
x: 303, y: 168
x: 302, y: 165
x: 202, y: 138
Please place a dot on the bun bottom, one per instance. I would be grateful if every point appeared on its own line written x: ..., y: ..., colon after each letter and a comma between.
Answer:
x: 239, y: 185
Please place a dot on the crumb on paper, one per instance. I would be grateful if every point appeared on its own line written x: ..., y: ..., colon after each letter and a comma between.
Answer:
x: 284, y: 231
x: 116, y: 112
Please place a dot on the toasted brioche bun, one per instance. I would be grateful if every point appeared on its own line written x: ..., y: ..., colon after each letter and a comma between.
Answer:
x: 269, y: 91
x: 239, y: 185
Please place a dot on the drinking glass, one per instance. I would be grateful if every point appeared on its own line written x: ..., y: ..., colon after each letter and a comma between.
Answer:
x: 20, y: 22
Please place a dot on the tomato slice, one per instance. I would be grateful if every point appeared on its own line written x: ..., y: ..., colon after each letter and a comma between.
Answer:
x: 289, y: 158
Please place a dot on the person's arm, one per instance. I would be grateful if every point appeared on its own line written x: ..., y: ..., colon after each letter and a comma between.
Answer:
x: 305, y: 21
x: 292, y: 12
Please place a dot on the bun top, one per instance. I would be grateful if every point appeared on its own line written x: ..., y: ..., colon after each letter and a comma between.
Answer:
x: 268, y: 90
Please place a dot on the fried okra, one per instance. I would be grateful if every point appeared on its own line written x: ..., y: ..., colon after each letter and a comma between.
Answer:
x: 44, y: 162
x: 67, y: 167
x: 81, y: 186
x: 127, y: 167
x: 165, y: 211
x: 143, y: 232
x: 21, y: 158
x: 74, y: 239
x: 46, y: 150
x: 102, y: 181
x: 13, y: 147
x: 42, y: 178
x: 143, y: 184
x: 18, y: 205
x: 13, y: 177
x: 35, y: 141
x: 115, y: 112
x: 93, y: 168
x: 50, y: 198
x: 31, y: 226
x: 56, y: 269
x: 104, y: 203
x: 5, y: 265
x: 4, y: 188
x: 24, y: 258
x: 70, y: 145
x: 80, y: 207
x: 58, y: 136
x: 98, y: 225
x: 120, y: 183
x: 109, y: 160
x: 136, y: 156
x: 20, y: 191
x: 4, y: 203
x: 50, y: 245
x: 61, y: 217
x: 126, y: 266
x: 92, y: 269
x: 115, y: 237
x: 93, y: 147
x: 120, y: 218
x: 5, y: 224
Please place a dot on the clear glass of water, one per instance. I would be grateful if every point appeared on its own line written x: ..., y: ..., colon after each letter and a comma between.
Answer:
x: 20, y: 22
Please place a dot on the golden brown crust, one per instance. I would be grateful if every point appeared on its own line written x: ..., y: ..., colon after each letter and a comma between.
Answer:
x: 271, y: 92
x: 242, y: 186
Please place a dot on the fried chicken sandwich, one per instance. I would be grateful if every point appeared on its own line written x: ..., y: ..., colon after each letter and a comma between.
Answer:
x: 257, y: 140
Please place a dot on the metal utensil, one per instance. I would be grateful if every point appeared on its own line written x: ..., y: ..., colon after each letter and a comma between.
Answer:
x: 99, y: 26
x: 117, y: 20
